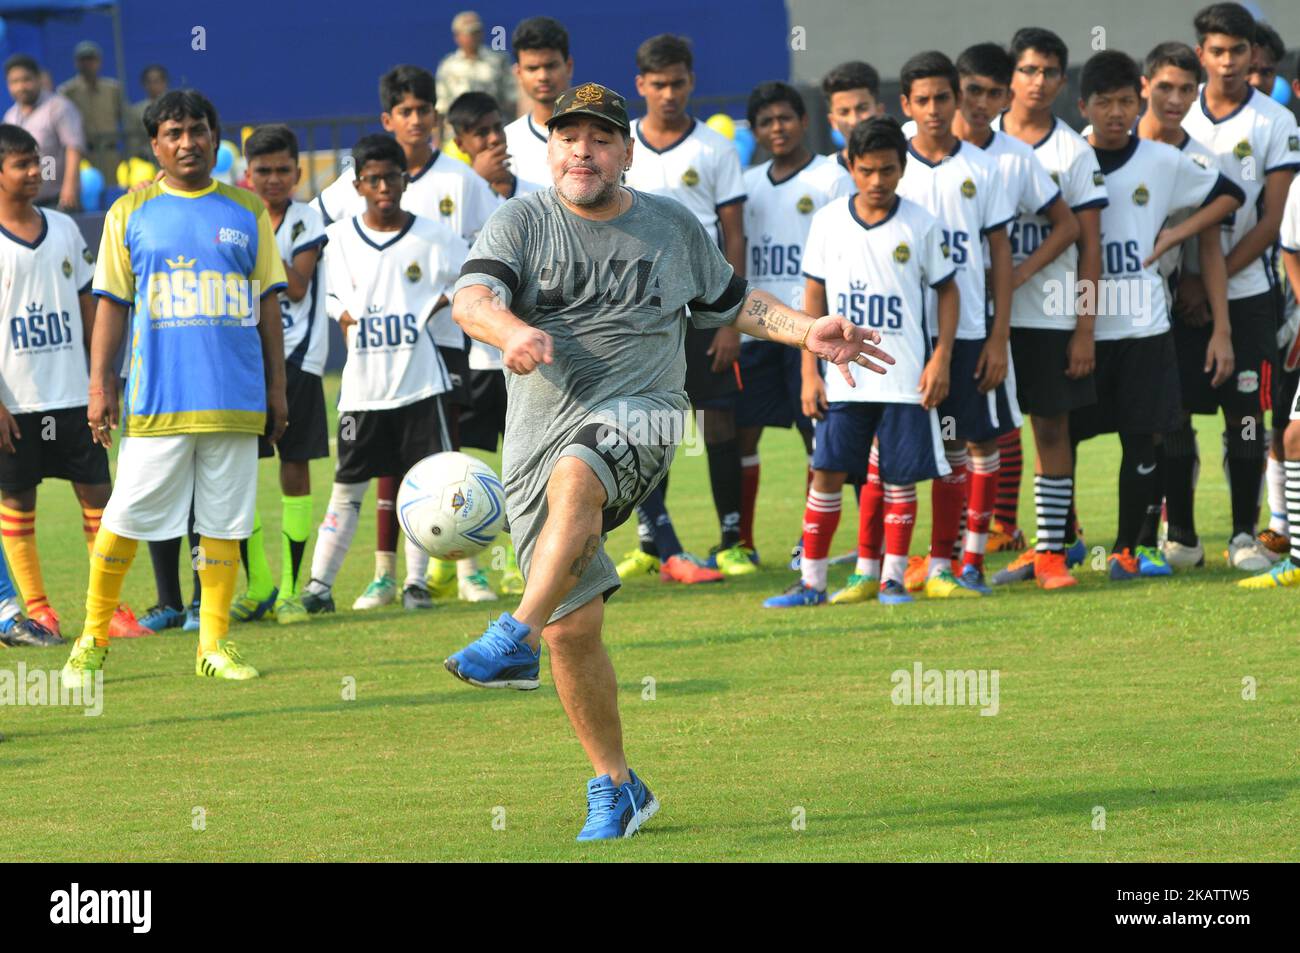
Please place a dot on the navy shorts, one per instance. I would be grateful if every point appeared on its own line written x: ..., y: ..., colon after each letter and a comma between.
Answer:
x: 974, y: 416
x: 911, y: 445
x: 770, y: 387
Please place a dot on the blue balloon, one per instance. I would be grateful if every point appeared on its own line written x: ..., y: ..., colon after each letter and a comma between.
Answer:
x: 225, y: 159
x: 1281, y: 90
x: 92, y: 188
x: 837, y: 140
x: 745, y: 144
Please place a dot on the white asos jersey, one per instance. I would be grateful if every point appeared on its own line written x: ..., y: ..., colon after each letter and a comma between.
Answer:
x: 485, y: 357
x: 878, y: 277
x: 306, y: 340
x: 43, y: 354
x: 778, y: 214
x: 1186, y: 257
x: 526, y: 145
x: 390, y: 282
x: 964, y: 192
x: 1256, y: 138
x: 701, y: 170
x: 1046, y: 300
x: 1147, y: 181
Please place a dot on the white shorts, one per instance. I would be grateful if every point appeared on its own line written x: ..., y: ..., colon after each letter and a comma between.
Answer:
x: 159, y: 477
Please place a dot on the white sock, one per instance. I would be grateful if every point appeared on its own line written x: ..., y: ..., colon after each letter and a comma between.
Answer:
x: 813, y: 572
x: 894, y: 568
x: 385, y: 565
x: 1276, y: 475
x: 417, y: 564
x: 9, y: 610
x: 937, y: 566
x: 466, y: 567
x: 865, y: 567
x: 334, y: 537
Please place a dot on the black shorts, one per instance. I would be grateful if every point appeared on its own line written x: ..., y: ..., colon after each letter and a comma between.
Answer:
x: 55, y: 444
x: 1137, y: 389
x: 909, y: 438
x: 307, y: 437
x: 1041, y: 356
x: 378, y: 443
x: 484, y: 420
x: 706, y: 389
x: 1254, y: 342
x: 457, y: 362
x: 772, y: 380
x: 974, y: 416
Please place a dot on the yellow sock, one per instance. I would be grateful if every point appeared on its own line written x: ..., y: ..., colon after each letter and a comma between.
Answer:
x: 109, y: 560
x: 90, y: 518
x: 19, y: 531
x: 218, y: 574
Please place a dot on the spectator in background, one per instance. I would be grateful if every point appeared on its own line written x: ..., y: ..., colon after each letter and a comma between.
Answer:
x: 55, y: 124
x: 100, y: 102
x: 473, y: 67
x: 154, y: 80
x: 1266, y: 54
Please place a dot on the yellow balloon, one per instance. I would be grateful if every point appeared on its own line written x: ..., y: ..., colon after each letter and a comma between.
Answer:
x: 85, y: 164
x: 142, y: 172
x: 124, y: 173
x: 244, y: 134
x: 723, y: 124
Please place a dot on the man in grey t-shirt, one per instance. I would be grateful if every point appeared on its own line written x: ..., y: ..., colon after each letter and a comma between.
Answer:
x: 584, y: 288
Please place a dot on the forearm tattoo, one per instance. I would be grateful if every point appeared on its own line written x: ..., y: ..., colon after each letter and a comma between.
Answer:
x: 778, y: 321
x: 585, y: 557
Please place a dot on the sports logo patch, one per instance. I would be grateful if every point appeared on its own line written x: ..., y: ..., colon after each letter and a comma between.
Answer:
x: 298, y: 229
x: 1293, y: 143
x: 690, y: 177
x: 88, y: 255
x: 804, y: 205
x: 968, y: 189
x: 446, y: 206
x: 589, y: 94
x: 1097, y: 178
x: 67, y: 268
x: 1247, y: 382
x: 413, y: 272
x: 1242, y: 149
x: 902, y: 253
x: 1141, y: 196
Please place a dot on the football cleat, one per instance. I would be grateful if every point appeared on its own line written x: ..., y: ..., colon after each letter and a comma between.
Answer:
x: 416, y: 597
x: 1182, y: 556
x: 162, y: 617
x: 48, y: 618
x: 799, y: 594
x: 86, y: 658
x: 1151, y: 562
x: 380, y: 592
x: 944, y: 585
x: 317, y: 602
x: 893, y: 593
x: 616, y: 812
x: 1283, y: 575
x: 637, y: 563
x: 28, y: 633
x: 1021, y: 569
x: 442, y: 579
x: 859, y: 588
x: 123, y: 625
x: 475, y: 588
x: 685, y: 568
x: 972, y: 578
x: 290, y: 611
x: 248, y: 609
x: 225, y: 662
x: 1050, y: 571
x: 1274, y: 543
x: 1123, y: 566
x: 499, y: 658
x: 736, y: 561
x: 916, y: 574
x: 1004, y: 539
x: 1076, y: 552
x: 1247, y: 554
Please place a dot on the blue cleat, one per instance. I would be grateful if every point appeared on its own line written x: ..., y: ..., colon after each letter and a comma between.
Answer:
x: 797, y: 595
x: 973, y: 579
x: 498, y: 658
x: 248, y: 609
x: 1076, y: 553
x: 162, y: 617
x: 1123, y: 566
x: 1151, y: 562
x: 191, y: 618
x: 615, y: 812
x: 893, y: 593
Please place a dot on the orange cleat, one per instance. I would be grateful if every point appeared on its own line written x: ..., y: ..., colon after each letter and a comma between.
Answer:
x: 125, y: 626
x: 47, y: 617
x: 1275, y: 542
x: 1004, y: 539
x: 1050, y: 571
x: 682, y: 568
x: 917, y: 571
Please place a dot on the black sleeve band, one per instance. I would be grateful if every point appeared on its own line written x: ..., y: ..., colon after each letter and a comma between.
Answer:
x: 1225, y: 186
x: 730, y: 298
x: 494, y: 269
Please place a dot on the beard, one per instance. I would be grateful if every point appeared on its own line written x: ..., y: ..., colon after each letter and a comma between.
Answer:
x: 603, y: 195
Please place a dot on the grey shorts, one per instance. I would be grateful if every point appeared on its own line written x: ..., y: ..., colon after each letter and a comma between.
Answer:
x: 628, y: 468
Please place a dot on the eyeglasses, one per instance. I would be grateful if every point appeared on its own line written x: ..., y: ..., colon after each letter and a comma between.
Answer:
x: 392, y: 180
x: 1031, y: 72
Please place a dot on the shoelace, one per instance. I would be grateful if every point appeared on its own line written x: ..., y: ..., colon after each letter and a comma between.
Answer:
x: 497, y: 642
x: 376, y: 586
x: 478, y: 578
x: 600, y: 801
x: 232, y: 653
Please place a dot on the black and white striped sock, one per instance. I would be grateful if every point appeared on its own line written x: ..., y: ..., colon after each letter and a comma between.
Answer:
x: 1052, y: 496
x: 1293, y: 506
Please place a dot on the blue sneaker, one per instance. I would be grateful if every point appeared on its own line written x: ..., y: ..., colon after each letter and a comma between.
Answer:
x: 614, y: 812
x: 162, y: 617
x: 973, y: 579
x: 191, y: 618
x: 893, y: 593
x: 1151, y: 562
x: 797, y: 595
x: 498, y: 658
x: 1077, y: 553
x: 1123, y: 566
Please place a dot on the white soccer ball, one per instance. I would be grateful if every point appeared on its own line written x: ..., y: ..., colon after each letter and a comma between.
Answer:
x: 451, y: 505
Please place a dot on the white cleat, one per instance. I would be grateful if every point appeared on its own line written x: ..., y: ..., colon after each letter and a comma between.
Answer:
x: 1246, y: 553
x: 475, y: 588
x: 1182, y: 556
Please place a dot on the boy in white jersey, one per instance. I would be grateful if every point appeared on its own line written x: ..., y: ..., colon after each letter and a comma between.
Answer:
x: 1196, y: 280
x: 444, y: 190
x: 782, y: 196
x: 388, y: 272
x: 962, y: 188
x: 1052, y: 309
x: 544, y: 69
x: 272, y: 154
x: 46, y: 306
x: 852, y: 92
x: 874, y: 256
x: 684, y: 159
x: 1137, y: 370
x: 1255, y: 141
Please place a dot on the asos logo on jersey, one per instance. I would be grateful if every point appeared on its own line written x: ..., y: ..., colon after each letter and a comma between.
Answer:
x: 768, y: 260
x: 386, y: 330
x: 38, y: 329
x: 1120, y: 257
x: 873, y: 311
x: 1026, y: 237
x: 958, y: 246
x: 183, y: 292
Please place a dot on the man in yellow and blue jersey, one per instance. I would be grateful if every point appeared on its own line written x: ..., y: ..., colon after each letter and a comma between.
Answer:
x: 197, y: 261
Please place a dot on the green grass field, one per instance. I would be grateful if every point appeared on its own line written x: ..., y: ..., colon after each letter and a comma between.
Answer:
x: 1124, y: 698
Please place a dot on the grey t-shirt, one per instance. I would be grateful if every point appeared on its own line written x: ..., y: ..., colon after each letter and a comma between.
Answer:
x: 613, y: 296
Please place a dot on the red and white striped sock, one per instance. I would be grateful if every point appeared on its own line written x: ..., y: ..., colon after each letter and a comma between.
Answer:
x: 979, y: 512
x: 900, y: 519
x: 871, y: 519
x: 947, y: 499
x: 820, y: 520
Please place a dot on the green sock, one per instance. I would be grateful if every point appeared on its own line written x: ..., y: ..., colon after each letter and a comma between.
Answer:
x: 260, y: 582
x: 296, y: 523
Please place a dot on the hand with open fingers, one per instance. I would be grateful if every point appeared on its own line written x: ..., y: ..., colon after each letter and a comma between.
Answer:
x: 1219, y: 358
x: 101, y: 415
x: 991, y: 369
x: 725, y: 349
x: 1081, y: 355
x: 527, y: 348
x: 9, y: 431
x: 836, y: 339
x: 812, y: 397
x: 934, y: 383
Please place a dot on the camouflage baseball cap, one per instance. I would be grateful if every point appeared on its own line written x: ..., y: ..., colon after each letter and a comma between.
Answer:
x: 591, y: 99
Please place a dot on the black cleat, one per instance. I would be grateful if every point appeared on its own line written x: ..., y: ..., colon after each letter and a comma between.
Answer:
x: 317, y: 604
x: 29, y: 632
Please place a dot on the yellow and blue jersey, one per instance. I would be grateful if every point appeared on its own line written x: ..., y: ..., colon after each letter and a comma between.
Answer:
x: 194, y: 266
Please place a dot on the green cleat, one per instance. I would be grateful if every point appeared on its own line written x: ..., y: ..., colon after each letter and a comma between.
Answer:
x: 442, y: 579
x: 637, y: 563
x: 380, y: 592
x: 858, y: 589
x: 225, y: 662
x: 250, y: 609
x: 86, y: 659
x: 290, y: 611
x: 736, y: 561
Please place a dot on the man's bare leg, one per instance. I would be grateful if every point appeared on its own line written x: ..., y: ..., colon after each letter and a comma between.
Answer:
x: 584, y: 680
